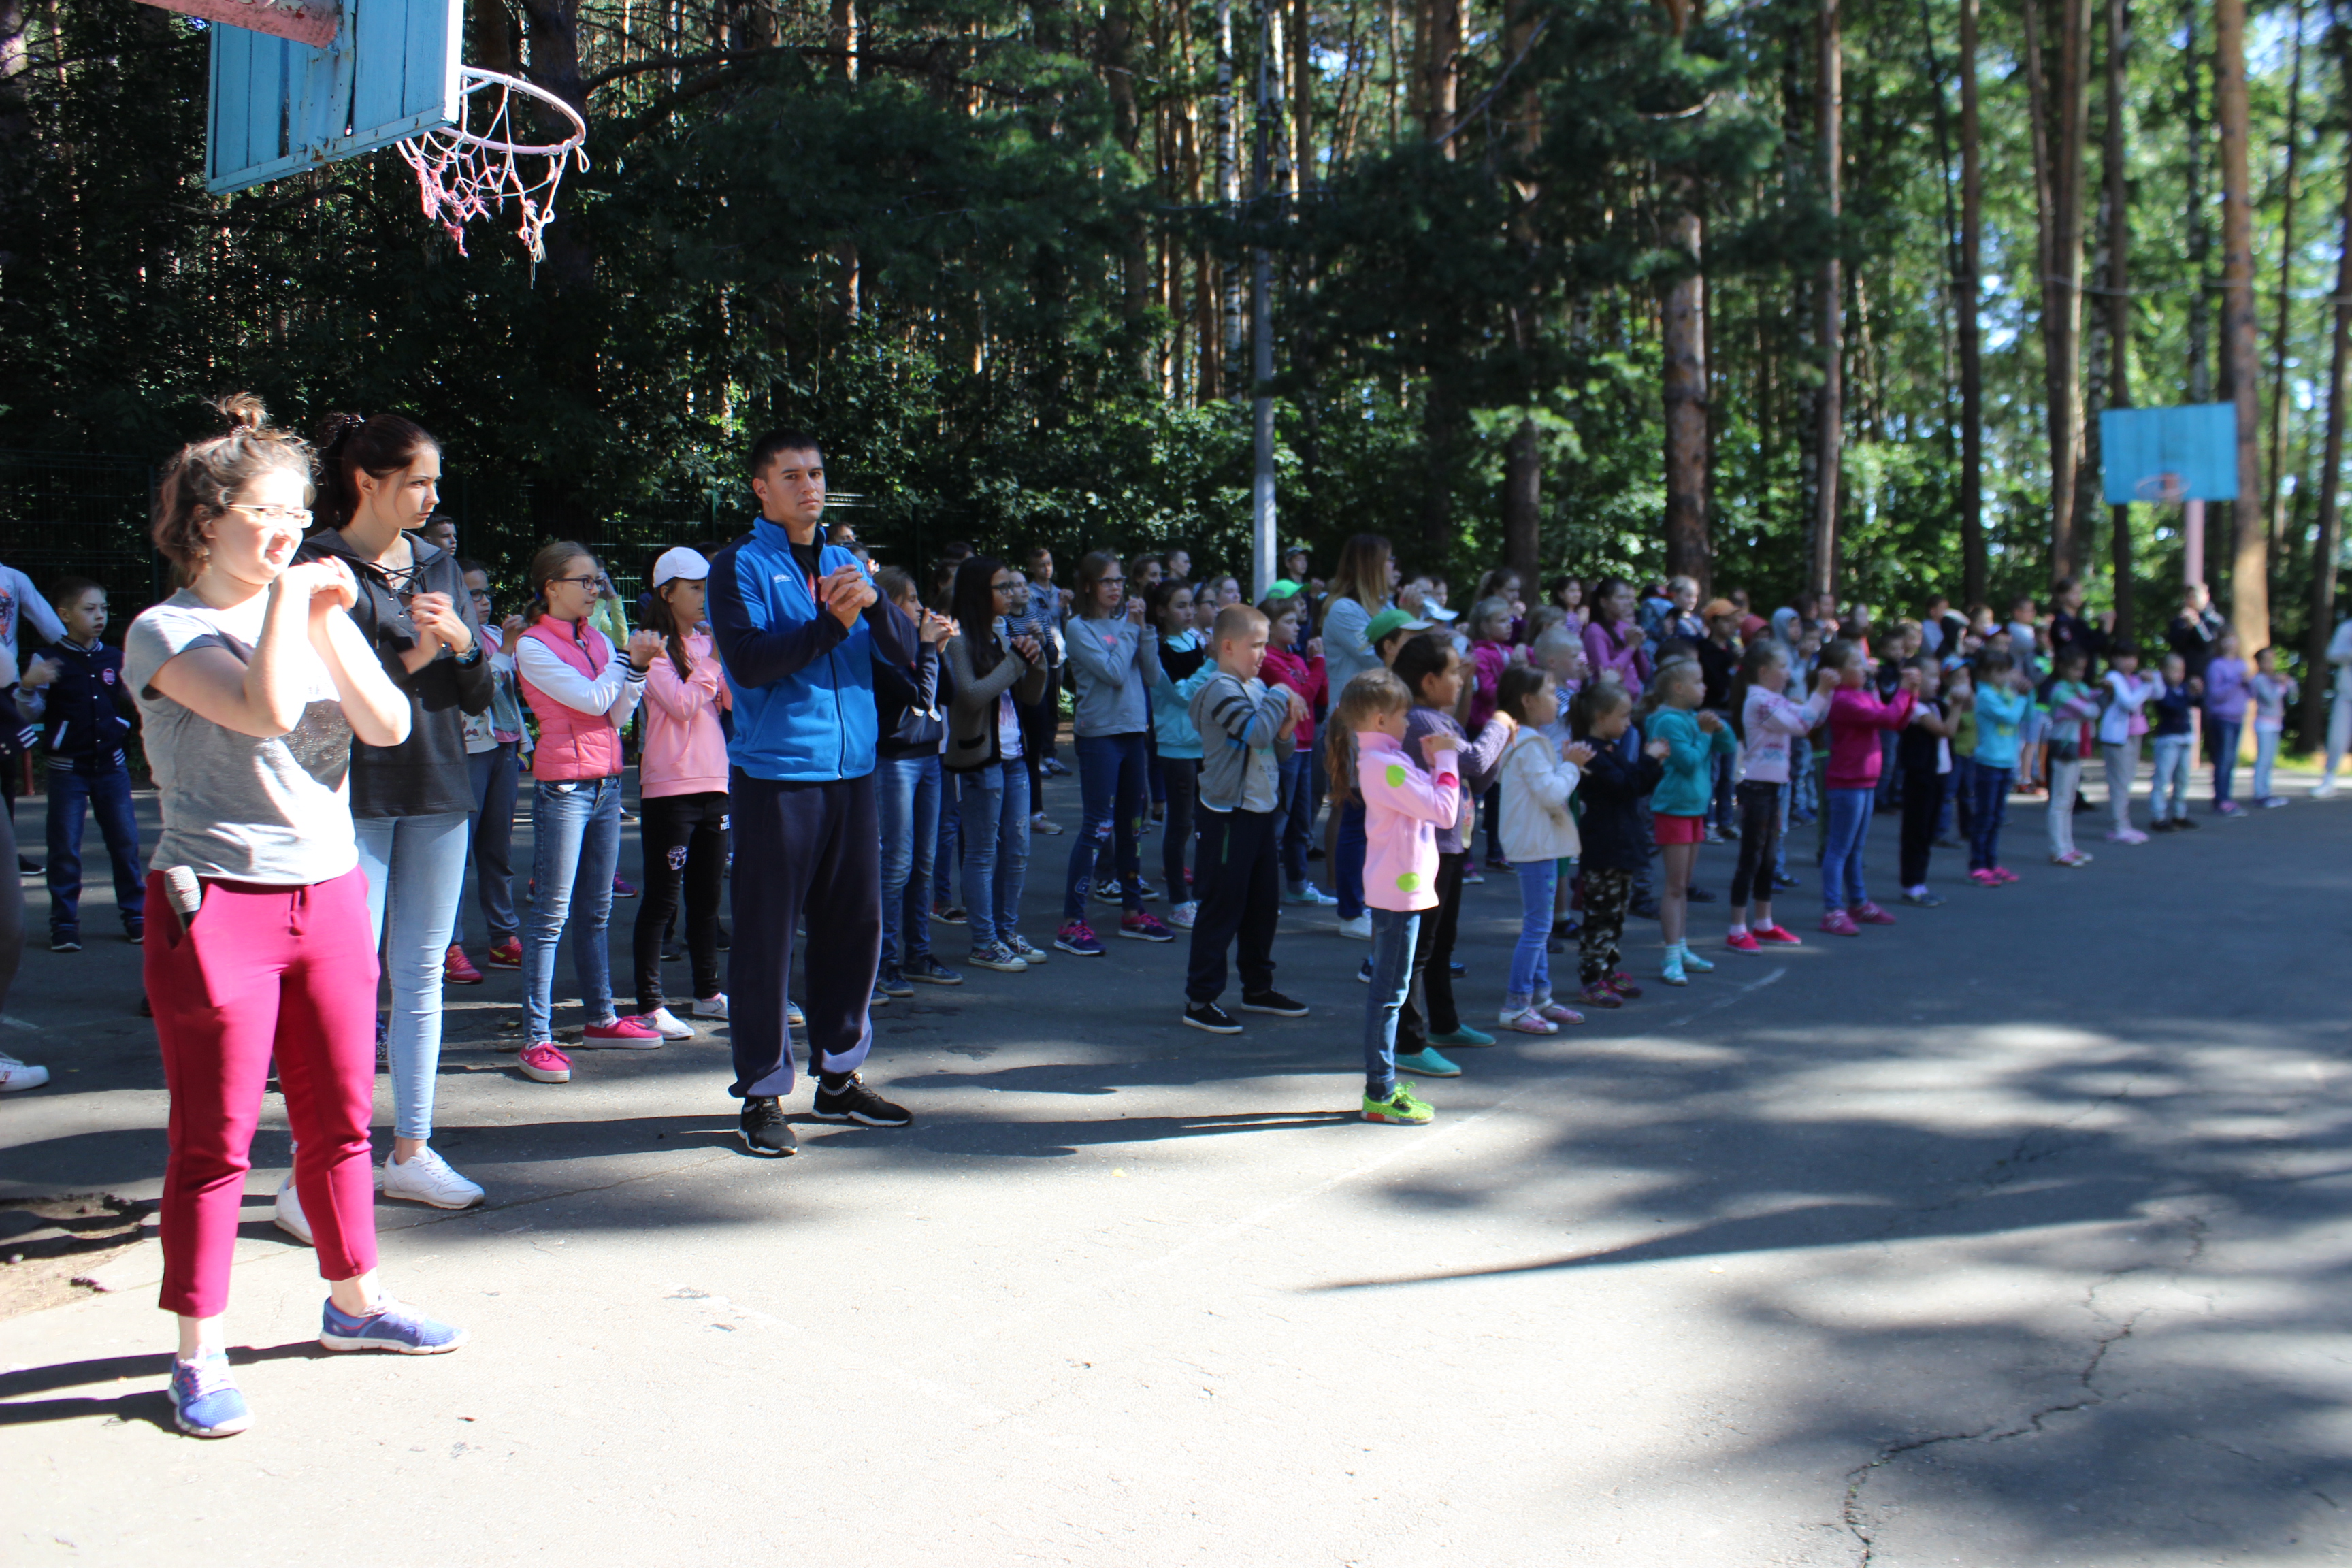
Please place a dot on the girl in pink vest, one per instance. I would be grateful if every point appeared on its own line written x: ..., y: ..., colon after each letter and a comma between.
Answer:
x: 582, y: 691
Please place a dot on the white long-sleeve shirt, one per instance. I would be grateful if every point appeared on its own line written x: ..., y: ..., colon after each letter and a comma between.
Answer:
x: 615, y: 692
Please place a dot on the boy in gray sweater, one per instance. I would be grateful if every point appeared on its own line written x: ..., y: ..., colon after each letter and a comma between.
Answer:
x: 1245, y: 726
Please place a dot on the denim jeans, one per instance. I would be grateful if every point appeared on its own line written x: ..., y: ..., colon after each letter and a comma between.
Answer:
x: 416, y: 870
x: 1848, y: 830
x: 1348, y: 860
x: 2222, y: 735
x: 947, y: 850
x: 2121, y: 761
x: 907, y: 791
x: 575, y: 829
x: 106, y: 796
x: 1296, y: 814
x: 1111, y: 790
x: 494, y: 773
x: 1530, y: 968
x: 2266, y: 746
x: 1986, y: 813
x: 993, y: 802
x: 1394, y: 934
x: 2168, y: 795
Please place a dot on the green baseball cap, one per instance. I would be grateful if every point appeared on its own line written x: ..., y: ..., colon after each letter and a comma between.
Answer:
x: 1389, y: 622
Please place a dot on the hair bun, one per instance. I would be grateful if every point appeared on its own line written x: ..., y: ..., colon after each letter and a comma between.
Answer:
x: 243, y: 410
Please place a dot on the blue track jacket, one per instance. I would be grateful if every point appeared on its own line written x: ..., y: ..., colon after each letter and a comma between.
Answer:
x: 804, y: 685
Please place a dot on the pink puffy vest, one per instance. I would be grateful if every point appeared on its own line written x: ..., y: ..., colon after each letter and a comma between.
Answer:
x: 572, y: 744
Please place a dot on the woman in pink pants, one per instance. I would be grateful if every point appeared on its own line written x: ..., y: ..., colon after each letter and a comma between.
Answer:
x: 252, y: 682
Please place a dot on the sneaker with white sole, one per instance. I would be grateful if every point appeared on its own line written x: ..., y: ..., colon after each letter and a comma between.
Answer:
x: 16, y: 1075
x: 1360, y: 928
x: 1308, y: 893
x: 853, y: 1101
x: 287, y: 1214
x: 997, y: 956
x: 671, y: 1025
x: 711, y: 1006
x: 1184, y: 914
x: 424, y: 1177
x: 622, y: 1035
x: 402, y: 1329
x: 1026, y: 951
x: 205, y: 1399
x: 543, y: 1063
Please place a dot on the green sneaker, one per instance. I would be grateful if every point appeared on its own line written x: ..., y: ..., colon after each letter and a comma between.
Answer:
x: 1428, y: 1064
x: 1465, y: 1035
x: 1403, y: 1108
x: 1695, y: 964
x: 1670, y: 971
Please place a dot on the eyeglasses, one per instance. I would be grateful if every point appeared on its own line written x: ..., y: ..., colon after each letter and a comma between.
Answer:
x: 298, y: 517
x: 479, y: 593
x: 1012, y: 587
x: 579, y: 581
x: 1112, y: 582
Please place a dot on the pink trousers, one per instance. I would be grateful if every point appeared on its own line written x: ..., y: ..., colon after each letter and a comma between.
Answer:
x: 264, y: 972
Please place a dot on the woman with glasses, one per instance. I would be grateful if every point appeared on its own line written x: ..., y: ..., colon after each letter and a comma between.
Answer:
x: 582, y: 690
x: 993, y: 675
x: 411, y: 804
x: 1116, y: 660
x: 255, y: 688
x: 496, y: 740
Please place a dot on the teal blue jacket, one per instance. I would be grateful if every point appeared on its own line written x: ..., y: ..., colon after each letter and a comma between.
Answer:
x: 1683, y: 791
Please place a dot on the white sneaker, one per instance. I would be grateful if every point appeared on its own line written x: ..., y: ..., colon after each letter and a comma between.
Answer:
x: 671, y: 1025
x: 710, y: 1006
x: 1184, y: 914
x: 1030, y: 954
x: 16, y: 1075
x: 427, y: 1178
x: 287, y: 1214
x: 1360, y: 928
x: 2324, y: 790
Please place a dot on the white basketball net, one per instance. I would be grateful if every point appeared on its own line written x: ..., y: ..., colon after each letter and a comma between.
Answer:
x: 2167, y: 489
x: 467, y: 170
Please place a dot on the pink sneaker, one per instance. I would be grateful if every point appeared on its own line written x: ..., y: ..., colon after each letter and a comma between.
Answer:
x: 1869, y: 914
x: 458, y: 969
x: 1743, y: 942
x: 1527, y: 1021
x: 623, y: 1035
x: 1984, y: 879
x: 2005, y: 873
x: 1559, y: 1014
x: 1837, y: 922
x: 1778, y: 935
x: 1144, y: 926
x: 544, y: 1064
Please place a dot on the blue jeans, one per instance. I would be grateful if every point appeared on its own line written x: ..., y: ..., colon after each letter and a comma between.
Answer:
x: 108, y: 797
x: 1348, y: 860
x: 1530, y: 968
x: 1987, y: 808
x: 1848, y: 830
x: 948, y: 853
x: 2223, y: 734
x: 2168, y: 794
x: 1112, y: 788
x: 1394, y: 933
x: 907, y: 790
x: 495, y: 773
x: 1296, y: 814
x: 416, y: 870
x: 994, y: 805
x: 576, y: 828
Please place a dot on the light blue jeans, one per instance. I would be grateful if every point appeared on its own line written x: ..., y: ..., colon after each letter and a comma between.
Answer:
x: 906, y: 793
x: 1394, y: 934
x: 575, y: 829
x: 993, y: 802
x: 2171, y: 777
x: 416, y: 870
x: 1531, y: 965
x: 1847, y: 831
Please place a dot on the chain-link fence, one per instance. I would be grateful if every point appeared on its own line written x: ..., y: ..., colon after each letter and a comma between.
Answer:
x: 70, y: 514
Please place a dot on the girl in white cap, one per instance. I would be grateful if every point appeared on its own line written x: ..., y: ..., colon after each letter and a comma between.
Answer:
x: 682, y: 778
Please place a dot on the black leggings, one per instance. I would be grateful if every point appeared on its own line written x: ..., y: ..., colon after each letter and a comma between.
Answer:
x: 685, y: 838
x: 1182, y: 776
x: 1429, y: 996
x: 1607, y: 892
x: 1760, y: 838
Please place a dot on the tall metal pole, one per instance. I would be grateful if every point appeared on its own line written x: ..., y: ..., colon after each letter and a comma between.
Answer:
x: 1262, y: 510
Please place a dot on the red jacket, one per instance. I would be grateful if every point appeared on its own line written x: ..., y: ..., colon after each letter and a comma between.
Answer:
x: 1306, y: 678
x: 1855, y: 719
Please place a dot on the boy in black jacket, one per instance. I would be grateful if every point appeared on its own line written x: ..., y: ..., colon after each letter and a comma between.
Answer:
x: 87, y: 718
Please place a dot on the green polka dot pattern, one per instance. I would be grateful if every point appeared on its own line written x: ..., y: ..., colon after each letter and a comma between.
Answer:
x: 1396, y: 775
x: 1408, y: 883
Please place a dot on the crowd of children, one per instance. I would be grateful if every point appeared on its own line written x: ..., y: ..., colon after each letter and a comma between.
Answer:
x: 338, y: 724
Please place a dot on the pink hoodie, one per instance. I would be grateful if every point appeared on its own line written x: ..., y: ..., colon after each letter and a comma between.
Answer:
x: 1403, y: 809
x: 685, y: 751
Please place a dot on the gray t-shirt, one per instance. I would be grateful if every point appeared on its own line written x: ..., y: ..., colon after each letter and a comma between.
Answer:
x: 235, y: 806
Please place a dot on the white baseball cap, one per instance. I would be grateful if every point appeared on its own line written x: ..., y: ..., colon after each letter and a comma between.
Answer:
x: 680, y: 562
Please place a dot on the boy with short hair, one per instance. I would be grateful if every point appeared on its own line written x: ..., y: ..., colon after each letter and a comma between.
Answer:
x: 1246, y: 727
x: 86, y: 719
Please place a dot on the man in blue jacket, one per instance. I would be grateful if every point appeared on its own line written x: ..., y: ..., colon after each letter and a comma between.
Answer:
x: 798, y: 625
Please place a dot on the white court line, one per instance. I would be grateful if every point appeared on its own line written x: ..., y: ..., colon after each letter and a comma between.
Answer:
x: 1727, y: 999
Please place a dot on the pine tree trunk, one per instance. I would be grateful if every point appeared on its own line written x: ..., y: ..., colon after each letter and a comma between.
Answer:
x: 2331, y: 469
x: 1523, y: 501
x: 2118, y: 280
x: 2067, y: 103
x: 1685, y: 339
x: 2275, y: 503
x: 2249, y: 588
x: 1969, y: 291
x: 1831, y: 412
x: 2200, y: 232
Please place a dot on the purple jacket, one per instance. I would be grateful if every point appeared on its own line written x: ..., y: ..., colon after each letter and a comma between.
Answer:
x: 1478, y: 761
x: 1605, y: 652
x: 2226, y: 690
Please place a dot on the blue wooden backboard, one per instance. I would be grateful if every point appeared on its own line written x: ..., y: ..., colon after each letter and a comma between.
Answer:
x: 279, y: 107
x: 2197, y: 442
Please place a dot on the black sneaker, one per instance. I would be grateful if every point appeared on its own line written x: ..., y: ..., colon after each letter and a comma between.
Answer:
x: 853, y: 1101
x: 1700, y: 895
x: 65, y: 944
x: 2191, y: 823
x: 764, y: 1130
x: 1645, y: 908
x: 1782, y: 882
x: 931, y: 971
x: 1210, y: 1016
x: 1273, y: 1002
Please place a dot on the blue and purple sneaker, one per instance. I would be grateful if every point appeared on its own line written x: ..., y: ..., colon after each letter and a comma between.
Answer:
x: 390, y: 1327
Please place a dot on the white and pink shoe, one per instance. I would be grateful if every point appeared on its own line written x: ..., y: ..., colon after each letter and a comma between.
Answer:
x: 622, y: 1035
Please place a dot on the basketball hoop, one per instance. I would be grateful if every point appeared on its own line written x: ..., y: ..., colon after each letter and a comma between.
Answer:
x: 462, y: 170
x: 2167, y: 489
